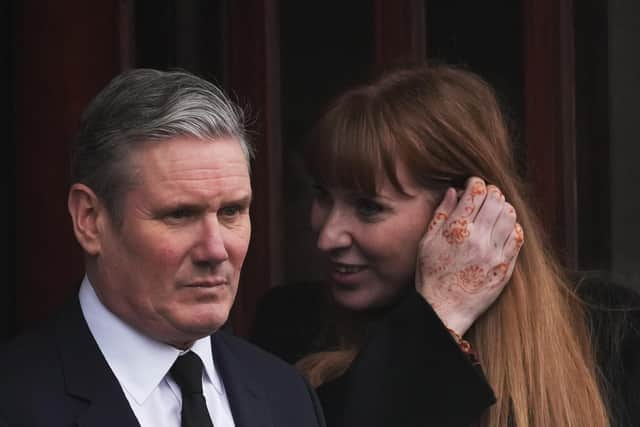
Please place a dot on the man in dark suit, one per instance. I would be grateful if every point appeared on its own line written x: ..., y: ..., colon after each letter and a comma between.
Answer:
x: 160, y: 204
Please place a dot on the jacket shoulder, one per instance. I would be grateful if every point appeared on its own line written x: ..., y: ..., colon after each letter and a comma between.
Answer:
x: 30, y: 353
x: 32, y: 386
x: 291, y: 399
x: 254, y: 356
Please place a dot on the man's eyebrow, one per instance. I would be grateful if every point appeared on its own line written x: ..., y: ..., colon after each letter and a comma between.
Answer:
x: 182, y: 204
x: 244, y: 199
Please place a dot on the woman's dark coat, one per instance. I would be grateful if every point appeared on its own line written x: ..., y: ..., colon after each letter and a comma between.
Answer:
x: 410, y: 372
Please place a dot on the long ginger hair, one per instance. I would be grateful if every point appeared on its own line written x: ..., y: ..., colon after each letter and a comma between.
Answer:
x: 445, y: 125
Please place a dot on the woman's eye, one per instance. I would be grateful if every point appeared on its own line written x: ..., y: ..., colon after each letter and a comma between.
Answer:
x: 368, y: 208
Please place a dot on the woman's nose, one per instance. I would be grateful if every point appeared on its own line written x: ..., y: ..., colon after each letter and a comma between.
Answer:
x: 334, y: 231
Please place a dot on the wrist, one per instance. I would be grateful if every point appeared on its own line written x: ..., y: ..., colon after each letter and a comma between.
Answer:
x: 453, y: 321
x: 465, y: 347
x: 450, y: 316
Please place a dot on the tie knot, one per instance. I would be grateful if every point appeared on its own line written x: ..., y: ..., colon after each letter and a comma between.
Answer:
x: 187, y: 373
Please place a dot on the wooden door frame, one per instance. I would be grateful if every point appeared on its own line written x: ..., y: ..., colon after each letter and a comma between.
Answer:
x: 254, y: 76
x: 549, y: 96
x: 57, y: 72
x: 549, y: 119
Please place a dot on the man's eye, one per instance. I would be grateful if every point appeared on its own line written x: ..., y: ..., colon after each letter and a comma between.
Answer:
x: 230, y: 211
x: 180, y: 214
x: 368, y: 209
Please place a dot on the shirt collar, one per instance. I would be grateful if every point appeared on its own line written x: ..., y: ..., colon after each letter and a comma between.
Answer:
x: 138, y: 362
x: 203, y: 348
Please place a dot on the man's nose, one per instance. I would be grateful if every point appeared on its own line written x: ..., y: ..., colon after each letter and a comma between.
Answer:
x: 210, y: 245
x: 335, y: 232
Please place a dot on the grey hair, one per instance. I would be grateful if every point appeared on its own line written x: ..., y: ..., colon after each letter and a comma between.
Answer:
x: 142, y: 106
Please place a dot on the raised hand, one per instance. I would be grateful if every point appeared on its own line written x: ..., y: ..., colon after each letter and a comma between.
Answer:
x: 468, y: 253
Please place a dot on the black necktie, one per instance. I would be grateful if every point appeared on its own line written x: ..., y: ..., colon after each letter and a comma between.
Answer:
x: 187, y: 373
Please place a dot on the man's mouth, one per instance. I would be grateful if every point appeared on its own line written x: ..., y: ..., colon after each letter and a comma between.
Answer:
x: 207, y: 283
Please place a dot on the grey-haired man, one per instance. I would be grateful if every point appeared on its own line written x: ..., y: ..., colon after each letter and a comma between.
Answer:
x: 160, y: 205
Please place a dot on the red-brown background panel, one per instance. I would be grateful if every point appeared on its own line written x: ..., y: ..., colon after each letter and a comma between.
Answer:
x: 549, y: 119
x: 254, y: 78
x: 66, y: 52
x: 399, y: 32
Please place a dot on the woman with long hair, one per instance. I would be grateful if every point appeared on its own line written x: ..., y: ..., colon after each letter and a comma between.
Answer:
x: 438, y: 273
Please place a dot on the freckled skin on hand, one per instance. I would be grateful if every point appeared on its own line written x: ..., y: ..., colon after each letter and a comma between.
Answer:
x: 519, y: 234
x: 471, y: 279
x: 438, y: 218
x: 478, y: 189
x: 461, y: 268
x: 474, y: 198
x: 457, y: 232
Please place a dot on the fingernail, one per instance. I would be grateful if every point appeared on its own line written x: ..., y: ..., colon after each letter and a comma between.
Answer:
x: 450, y: 194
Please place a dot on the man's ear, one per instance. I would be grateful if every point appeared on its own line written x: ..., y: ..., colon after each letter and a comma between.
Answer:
x: 86, y: 211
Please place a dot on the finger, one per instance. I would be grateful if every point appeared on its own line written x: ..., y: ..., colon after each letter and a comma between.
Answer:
x: 490, y: 211
x: 504, y: 226
x: 442, y: 212
x: 500, y: 274
x: 514, y: 242
x: 471, y: 200
x: 511, y: 264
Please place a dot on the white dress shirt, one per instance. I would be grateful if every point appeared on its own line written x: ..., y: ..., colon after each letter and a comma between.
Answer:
x: 141, y: 366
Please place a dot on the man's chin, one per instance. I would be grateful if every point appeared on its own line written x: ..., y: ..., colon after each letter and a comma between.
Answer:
x: 205, y: 327
x: 185, y: 340
x: 193, y: 329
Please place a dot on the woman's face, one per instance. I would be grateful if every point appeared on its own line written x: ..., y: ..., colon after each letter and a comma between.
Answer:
x: 370, y: 243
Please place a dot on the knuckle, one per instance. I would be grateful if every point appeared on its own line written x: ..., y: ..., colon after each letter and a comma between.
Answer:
x: 519, y: 233
x: 510, y: 210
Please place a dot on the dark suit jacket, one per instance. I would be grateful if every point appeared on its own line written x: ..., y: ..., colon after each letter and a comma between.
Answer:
x: 57, y: 376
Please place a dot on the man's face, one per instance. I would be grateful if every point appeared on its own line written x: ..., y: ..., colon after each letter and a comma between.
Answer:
x: 171, y: 269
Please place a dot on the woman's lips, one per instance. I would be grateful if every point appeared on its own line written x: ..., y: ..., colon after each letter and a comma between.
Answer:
x: 346, y: 274
x: 347, y: 268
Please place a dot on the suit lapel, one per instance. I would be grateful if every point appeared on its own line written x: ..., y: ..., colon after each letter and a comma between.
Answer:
x: 88, y: 376
x: 246, y: 398
x: 107, y: 411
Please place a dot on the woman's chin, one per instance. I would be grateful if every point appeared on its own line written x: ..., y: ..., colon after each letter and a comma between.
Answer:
x: 352, y: 297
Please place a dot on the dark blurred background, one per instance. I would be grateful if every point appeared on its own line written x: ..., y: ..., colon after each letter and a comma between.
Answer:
x: 567, y: 72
